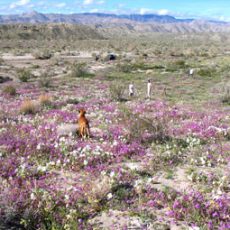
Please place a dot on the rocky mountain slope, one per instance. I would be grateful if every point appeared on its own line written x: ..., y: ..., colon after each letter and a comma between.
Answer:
x: 48, y: 31
x: 129, y: 23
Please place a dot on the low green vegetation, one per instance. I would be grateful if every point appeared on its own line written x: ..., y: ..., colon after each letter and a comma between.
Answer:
x: 24, y: 74
x: 79, y: 70
x: 45, y: 80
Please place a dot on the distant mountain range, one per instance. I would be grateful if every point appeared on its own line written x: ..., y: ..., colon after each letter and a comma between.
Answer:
x: 129, y: 23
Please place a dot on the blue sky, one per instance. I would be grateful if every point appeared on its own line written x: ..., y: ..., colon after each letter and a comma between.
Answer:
x: 214, y: 9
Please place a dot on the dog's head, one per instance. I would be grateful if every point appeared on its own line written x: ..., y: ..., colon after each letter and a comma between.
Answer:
x: 82, y: 112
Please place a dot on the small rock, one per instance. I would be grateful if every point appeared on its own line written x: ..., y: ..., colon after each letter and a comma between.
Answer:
x: 67, y: 129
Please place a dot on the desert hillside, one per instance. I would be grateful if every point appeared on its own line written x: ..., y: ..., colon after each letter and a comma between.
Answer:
x: 133, y: 22
x: 48, y: 32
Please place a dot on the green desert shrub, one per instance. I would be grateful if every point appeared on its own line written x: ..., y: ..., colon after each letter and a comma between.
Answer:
x: 44, y: 81
x: 146, y: 66
x: 35, y: 66
x: 177, y: 65
x: 117, y: 91
x: 125, y: 67
x: 24, y: 75
x: 206, y: 72
x: 180, y: 63
x: 79, y: 70
x: 158, y: 67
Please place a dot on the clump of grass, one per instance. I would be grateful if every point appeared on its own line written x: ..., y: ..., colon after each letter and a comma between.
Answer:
x: 45, y: 100
x: 145, y: 66
x: 44, y: 81
x: 125, y: 67
x: 35, y: 66
x: 169, y: 174
x: 206, y: 72
x: 79, y: 70
x: 10, y: 90
x: 24, y: 75
x: 180, y: 63
x: 117, y: 91
x: 28, y: 107
x: 177, y: 65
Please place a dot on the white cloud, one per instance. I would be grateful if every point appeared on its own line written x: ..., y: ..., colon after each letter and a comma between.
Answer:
x: 144, y: 11
x: 60, y: 5
x: 19, y: 3
x: 163, y: 12
x: 88, y: 2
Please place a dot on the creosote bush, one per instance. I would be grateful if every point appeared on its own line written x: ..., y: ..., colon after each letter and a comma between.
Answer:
x: 11, y: 90
x: 117, y: 91
x: 28, y: 107
x: 44, y: 81
x: 125, y: 67
x: 79, y: 70
x: 24, y: 75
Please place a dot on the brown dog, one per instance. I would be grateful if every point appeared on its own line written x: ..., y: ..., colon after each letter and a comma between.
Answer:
x: 83, y: 124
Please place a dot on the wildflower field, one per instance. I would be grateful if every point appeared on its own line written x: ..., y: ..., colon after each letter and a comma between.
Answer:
x: 159, y: 163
